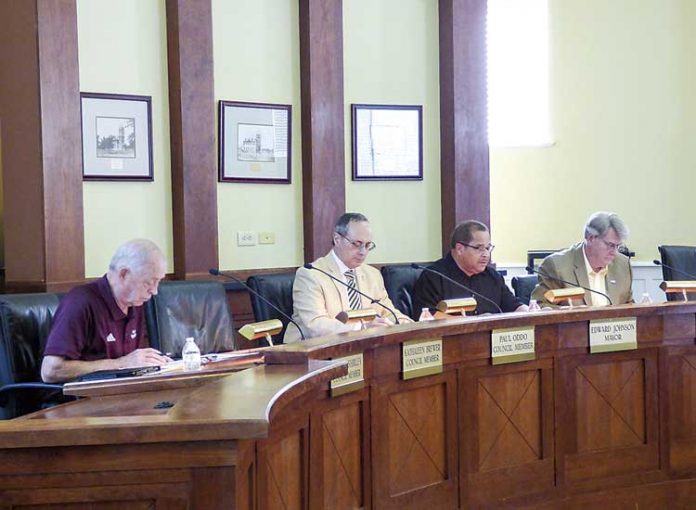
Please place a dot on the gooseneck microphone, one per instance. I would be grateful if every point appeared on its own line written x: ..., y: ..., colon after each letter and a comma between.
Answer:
x: 372, y: 300
x: 658, y: 263
x: 460, y: 285
x: 217, y: 272
x: 530, y: 269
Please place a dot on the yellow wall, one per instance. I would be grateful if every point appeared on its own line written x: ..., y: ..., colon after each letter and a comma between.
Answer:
x: 622, y: 116
x: 123, y: 49
x: 390, y: 56
x: 622, y: 107
x: 256, y: 50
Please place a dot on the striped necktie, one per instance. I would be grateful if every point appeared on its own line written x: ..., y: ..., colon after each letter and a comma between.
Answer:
x: 353, y: 296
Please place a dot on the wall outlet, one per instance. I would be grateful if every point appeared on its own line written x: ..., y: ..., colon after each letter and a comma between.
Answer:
x: 266, y: 237
x: 246, y: 238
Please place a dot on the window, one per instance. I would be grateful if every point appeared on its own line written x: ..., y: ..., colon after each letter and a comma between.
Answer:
x: 518, y: 76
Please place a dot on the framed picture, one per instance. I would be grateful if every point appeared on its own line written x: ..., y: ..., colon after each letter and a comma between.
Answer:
x: 116, y: 137
x: 387, y: 142
x: 255, y: 142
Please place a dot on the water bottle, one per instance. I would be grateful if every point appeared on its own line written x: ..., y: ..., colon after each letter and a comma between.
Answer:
x: 191, y: 355
x: 534, y: 306
x: 645, y: 299
x: 426, y: 315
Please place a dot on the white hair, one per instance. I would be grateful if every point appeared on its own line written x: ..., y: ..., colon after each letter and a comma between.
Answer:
x: 601, y: 221
x: 135, y: 255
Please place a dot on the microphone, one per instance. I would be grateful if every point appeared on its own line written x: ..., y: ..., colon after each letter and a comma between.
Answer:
x: 572, y: 284
x: 460, y: 285
x: 217, y: 272
x: 658, y: 263
x: 372, y: 300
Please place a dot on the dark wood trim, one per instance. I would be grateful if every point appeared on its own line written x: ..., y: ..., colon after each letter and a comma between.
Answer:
x: 323, y: 144
x: 42, y: 161
x: 192, y: 130
x: 465, y: 186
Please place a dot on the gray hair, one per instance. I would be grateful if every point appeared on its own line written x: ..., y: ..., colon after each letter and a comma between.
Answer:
x: 464, y: 232
x: 135, y: 255
x: 345, y: 220
x: 600, y: 222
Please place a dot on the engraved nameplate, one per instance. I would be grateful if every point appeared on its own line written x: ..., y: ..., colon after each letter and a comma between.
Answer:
x: 421, y: 357
x: 608, y: 335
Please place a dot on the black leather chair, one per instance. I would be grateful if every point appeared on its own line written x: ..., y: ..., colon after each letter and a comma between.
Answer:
x: 25, y: 321
x: 190, y: 308
x: 682, y: 258
x: 399, y: 280
x: 524, y: 285
x: 277, y: 288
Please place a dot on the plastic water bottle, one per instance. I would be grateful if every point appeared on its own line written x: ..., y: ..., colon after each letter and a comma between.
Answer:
x: 534, y: 306
x: 645, y: 299
x: 426, y: 315
x: 191, y: 355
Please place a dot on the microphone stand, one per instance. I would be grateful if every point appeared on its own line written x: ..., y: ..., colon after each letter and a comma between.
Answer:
x: 217, y: 272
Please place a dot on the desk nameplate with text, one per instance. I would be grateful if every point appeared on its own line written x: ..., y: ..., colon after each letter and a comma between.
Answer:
x: 512, y: 345
x: 421, y: 357
x: 609, y: 335
x: 354, y: 380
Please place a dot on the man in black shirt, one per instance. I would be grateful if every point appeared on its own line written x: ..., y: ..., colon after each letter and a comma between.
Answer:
x: 466, y: 263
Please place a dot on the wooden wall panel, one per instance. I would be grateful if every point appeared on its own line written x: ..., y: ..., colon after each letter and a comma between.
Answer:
x: 42, y: 159
x: 610, y: 405
x: 680, y: 393
x: 607, y: 418
x: 465, y: 186
x: 192, y: 132
x: 283, y: 467
x: 414, y: 443
x: 340, y: 453
x: 323, y: 160
x: 506, y: 416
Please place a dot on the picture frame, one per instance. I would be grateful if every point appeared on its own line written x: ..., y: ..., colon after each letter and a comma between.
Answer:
x: 255, y: 142
x: 387, y: 142
x: 116, y: 137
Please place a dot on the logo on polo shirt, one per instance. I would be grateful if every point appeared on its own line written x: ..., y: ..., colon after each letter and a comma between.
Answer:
x: 133, y: 334
x: 111, y: 338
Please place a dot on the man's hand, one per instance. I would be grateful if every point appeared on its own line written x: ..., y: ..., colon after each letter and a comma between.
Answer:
x: 57, y: 369
x: 379, y: 322
x: 147, y: 357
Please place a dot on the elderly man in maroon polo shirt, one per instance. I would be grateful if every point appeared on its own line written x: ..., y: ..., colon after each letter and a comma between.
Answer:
x: 100, y: 325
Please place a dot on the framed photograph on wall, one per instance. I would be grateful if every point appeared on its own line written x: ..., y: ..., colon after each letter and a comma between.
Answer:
x: 387, y: 142
x: 255, y: 143
x: 116, y: 137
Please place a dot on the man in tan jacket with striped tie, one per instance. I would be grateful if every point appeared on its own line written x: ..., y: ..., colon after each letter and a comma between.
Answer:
x: 317, y: 299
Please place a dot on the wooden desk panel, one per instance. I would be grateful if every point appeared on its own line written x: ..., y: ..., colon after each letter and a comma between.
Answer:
x: 506, y: 421
x: 568, y: 429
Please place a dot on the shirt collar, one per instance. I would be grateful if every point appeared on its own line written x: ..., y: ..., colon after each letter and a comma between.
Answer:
x: 342, y: 268
x: 588, y: 267
x: 108, y: 297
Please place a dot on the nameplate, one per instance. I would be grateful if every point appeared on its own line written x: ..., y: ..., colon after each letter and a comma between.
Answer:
x: 421, y: 357
x: 353, y: 380
x: 512, y: 345
x: 608, y: 335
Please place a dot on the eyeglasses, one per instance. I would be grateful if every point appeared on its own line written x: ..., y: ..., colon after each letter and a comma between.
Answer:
x: 611, y: 246
x: 481, y: 249
x: 359, y: 245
